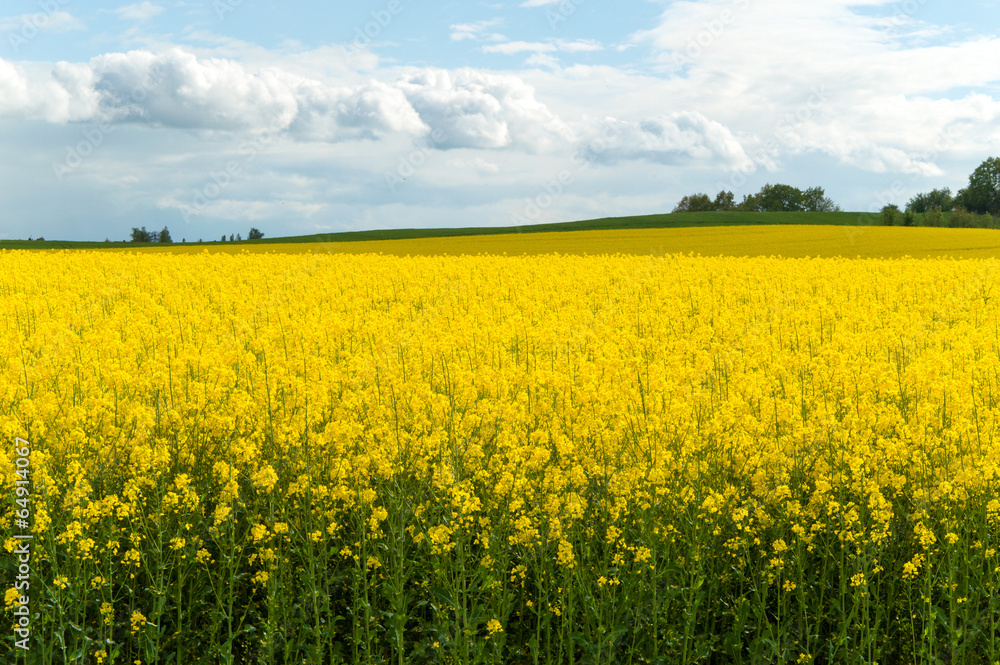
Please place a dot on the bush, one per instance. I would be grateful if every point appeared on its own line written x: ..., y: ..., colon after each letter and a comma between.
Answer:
x: 934, y: 217
x: 890, y: 213
x: 961, y: 218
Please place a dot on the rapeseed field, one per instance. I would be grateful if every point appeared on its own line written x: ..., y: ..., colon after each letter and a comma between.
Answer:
x: 612, y: 458
x: 789, y: 241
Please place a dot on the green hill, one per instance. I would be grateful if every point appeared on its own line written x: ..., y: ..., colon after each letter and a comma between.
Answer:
x: 661, y: 221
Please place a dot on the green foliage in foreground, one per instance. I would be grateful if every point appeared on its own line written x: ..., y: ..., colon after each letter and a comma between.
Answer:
x: 697, y: 587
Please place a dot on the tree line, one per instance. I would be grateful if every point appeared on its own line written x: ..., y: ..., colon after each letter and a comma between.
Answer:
x: 771, y: 198
x: 976, y: 205
x: 163, y: 237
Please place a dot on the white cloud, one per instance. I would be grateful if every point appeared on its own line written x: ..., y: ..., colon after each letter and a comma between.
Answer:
x: 510, y: 48
x: 476, y: 31
x: 176, y: 89
x: 140, y: 11
x: 684, y: 137
x: 476, y: 109
x: 27, y: 25
x: 543, y: 60
x: 14, y: 96
x: 579, y: 46
x: 881, y: 76
x: 477, y: 164
x: 65, y: 95
x: 370, y: 111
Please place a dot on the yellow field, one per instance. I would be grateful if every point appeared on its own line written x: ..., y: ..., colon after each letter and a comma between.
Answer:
x: 321, y: 457
x: 773, y: 240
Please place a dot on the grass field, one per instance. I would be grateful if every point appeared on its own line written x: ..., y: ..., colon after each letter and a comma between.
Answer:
x: 647, y: 457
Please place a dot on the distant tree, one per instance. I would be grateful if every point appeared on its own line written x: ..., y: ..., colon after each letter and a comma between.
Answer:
x: 983, y: 193
x: 725, y: 201
x: 909, y: 218
x: 922, y: 203
x: 165, y: 236
x: 963, y: 219
x: 889, y: 214
x: 255, y: 235
x: 142, y: 235
x: 750, y: 203
x: 238, y: 237
x: 771, y: 198
x: 781, y: 198
x: 223, y: 237
x: 933, y: 216
x: 814, y: 199
x: 695, y: 203
x: 230, y: 237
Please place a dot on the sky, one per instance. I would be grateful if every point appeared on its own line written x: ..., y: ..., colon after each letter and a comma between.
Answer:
x: 210, y: 117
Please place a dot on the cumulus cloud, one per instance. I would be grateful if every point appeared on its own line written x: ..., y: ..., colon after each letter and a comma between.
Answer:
x: 14, y: 97
x: 881, y: 74
x: 65, y: 95
x: 475, y: 109
x: 678, y: 138
x: 176, y: 89
x: 369, y: 111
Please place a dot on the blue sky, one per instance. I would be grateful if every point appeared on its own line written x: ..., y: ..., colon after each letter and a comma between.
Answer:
x: 213, y: 116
